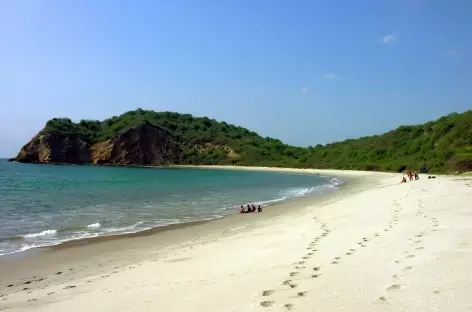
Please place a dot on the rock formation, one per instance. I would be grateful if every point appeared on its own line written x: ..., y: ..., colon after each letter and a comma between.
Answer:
x: 145, y: 144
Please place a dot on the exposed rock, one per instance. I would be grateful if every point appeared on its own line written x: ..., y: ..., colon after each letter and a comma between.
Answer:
x: 146, y: 145
x: 50, y: 148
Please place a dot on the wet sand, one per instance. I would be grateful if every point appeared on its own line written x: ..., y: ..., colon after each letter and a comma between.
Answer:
x: 374, y: 245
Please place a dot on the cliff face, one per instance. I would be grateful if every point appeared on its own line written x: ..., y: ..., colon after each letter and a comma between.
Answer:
x: 142, y: 145
x: 50, y: 148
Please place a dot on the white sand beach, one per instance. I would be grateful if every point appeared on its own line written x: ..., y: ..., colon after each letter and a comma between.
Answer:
x: 374, y: 245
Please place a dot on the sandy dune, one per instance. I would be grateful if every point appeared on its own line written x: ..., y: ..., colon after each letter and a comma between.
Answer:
x: 375, y: 245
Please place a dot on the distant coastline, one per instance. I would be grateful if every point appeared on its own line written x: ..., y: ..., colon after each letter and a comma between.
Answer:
x: 147, y: 138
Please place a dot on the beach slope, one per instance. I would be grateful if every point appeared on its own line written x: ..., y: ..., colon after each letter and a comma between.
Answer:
x: 375, y: 245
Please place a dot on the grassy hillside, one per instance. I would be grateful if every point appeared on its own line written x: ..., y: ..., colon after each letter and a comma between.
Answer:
x: 442, y: 145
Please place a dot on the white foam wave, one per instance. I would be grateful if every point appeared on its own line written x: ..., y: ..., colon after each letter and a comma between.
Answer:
x: 335, y: 181
x: 94, y: 226
x: 126, y: 228
x: 40, y: 234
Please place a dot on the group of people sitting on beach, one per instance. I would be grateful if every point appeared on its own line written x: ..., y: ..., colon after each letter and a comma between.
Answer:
x: 411, y: 175
x: 250, y: 208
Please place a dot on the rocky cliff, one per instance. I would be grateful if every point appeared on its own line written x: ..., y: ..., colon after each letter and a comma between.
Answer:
x: 50, y: 148
x: 145, y: 144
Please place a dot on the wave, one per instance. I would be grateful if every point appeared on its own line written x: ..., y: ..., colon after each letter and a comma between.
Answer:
x: 40, y: 234
x: 94, y: 226
x: 126, y: 228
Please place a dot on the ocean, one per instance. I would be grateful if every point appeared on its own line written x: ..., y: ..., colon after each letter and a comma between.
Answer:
x: 45, y: 205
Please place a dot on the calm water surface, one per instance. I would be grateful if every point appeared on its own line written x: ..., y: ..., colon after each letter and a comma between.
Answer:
x: 43, y: 205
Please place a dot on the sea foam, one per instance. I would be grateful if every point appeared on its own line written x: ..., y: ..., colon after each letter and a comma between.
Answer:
x: 40, y: 234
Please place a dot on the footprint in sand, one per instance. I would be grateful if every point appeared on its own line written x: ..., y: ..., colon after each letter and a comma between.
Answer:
x: 287, y: 282
x: 315, y: 275
x: 266, y: 293
x: 293, y: 285
x: 316, y: 268
x: 410, y: 256
x: 301, y: 293
x: 419, y: 248
x: 267, y: 304
x: 363, y: 245
x: 289, y: 306
x: 305, y: 257
x: 408, y: 268
x: 311, y: 253
x: 299, y: 267
x: 301, y: 262
x: 334, y: 262
x: 394, y: 287
x: 348, y: 253
x: 294, y: 273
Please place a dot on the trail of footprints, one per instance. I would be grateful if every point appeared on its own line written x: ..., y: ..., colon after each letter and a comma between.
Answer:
x: 315, y: 272
x: 291, y: 283
x: 416, y: 245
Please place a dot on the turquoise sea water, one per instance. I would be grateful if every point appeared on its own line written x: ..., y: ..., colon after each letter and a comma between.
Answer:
x: 42, y: 205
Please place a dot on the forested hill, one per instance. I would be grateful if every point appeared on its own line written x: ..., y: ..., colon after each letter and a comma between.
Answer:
x: 144, y: 137
x: 444, y: 145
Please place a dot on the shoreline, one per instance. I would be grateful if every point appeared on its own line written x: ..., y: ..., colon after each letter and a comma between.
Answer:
x: 71, y: 250
x: 374, y: 243
x: 32, y: 252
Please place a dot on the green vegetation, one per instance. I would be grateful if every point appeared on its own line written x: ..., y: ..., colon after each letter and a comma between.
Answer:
x: 443, y: 145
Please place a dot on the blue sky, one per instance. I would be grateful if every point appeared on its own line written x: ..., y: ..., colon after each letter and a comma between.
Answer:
x: 306, y: 72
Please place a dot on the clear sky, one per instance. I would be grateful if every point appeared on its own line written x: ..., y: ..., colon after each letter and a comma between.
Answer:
x: 304, y: 71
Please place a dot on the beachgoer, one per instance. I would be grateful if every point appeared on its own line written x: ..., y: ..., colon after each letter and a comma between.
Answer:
x: 241, y: 210
x: 259, y: 209
x: 403, y: 180
x: 248, y: 208
x: 253, y: 208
